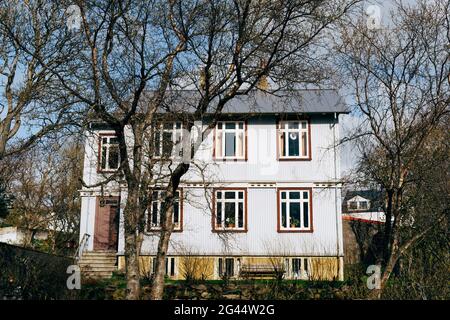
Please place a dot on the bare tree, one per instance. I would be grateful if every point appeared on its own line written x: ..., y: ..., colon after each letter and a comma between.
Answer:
x: 32, y: 105
x: 45, y: 184
x: 400, y: 85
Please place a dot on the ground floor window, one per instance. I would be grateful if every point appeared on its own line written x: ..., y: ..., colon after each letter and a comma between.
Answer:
x: 297, y: 268
x: 170, y: 266
x: 228, y: 267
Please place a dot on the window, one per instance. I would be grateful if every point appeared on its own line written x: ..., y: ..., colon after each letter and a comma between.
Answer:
x: 356, y: 203
x: 226, y: 267
x: 167, y: 140
x: 293, y: 140
x: 109, y: 153
x: 353, y: 205
x: 154, y: 209
x: 230, y: 141
x: 170, y: 266
x: 297, y: 268
x: 363, y: 205
x: 230, y: 210
x: 294, y: 210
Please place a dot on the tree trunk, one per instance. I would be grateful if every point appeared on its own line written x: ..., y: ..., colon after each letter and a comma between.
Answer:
x: 160, y: 270
x: 132, y: 246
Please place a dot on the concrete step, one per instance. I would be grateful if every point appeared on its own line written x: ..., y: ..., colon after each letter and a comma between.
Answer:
x: 99, y: 254
x: 98, y: 260
x: 96, y: 275
x: 98, y: 268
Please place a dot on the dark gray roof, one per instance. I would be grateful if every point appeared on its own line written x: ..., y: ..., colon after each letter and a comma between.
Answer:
x: 258, y: 102
x: 303, y: 101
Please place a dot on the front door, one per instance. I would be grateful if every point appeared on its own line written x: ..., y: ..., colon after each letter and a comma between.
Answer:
x: 106, y: 223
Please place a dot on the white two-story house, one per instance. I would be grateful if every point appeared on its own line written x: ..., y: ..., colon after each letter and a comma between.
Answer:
x: 268, y: 196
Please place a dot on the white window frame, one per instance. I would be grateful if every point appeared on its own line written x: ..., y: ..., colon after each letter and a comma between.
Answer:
x: 149, y: 214
x: 287, y: 201
x: 236, y: 200
x: 237, y: 131
x: 303, y: 128
x: 107, y: 147
x: 177, y: 138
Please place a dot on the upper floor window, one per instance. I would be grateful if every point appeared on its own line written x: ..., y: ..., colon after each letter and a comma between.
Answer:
x: 293, y: 140
x: 109, y: 153
x: 154, y: 212
x: 230, y: 140
x: 167, y: 139
x: 230, y: 210
x: 295, y: 212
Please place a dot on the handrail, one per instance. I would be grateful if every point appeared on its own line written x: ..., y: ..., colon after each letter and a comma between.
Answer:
x: 81, y: 246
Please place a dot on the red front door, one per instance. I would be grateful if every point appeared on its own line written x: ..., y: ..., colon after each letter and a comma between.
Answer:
x: 106, y: 223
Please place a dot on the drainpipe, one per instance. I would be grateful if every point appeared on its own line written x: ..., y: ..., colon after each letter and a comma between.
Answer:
x: 336, y: 204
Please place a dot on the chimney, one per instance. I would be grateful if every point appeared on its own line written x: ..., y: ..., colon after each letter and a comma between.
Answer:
x: 263, y: 83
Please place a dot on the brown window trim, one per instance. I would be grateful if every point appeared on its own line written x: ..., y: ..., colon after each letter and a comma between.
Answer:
x: 246, y: 143
x: 311, y: 229
x: 158, y: 229
x: 303, y: 118
x: 213, y: 216
x: 99, y: 156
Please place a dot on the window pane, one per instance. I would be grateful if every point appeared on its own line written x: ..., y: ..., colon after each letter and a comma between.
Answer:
x: 283, y: 215
x: 294, y: 144
x: 296, y: 266
x: 230, y: 214
x: 103, y: 165
x: 219, y: 214
x: 230, y: 195
x: 155, y: 213
x: 168, y: 125
x: 178, y: 125
x: 305, y: 215
x: 172, y: 266
x: 240, y: 215
x: 294, y: 195
x: 230, y: 144
x: 241, y: 195
x: 304, y: 124
x: 113, y: 160
x: 283, y: 195
x: 241, y: 125
x: 104, y: 140
x: 176, y: 213
x: 292, y: 125
x: 305, y: 195
x: 219, y: 195
x: 167, y: 144
x: 294, y: 212
x: 113, y: 141
x: 157, y: 144
x: 230, y: 125
x: 220, y: 267
x: 363, y: 205
x: 229, y: 267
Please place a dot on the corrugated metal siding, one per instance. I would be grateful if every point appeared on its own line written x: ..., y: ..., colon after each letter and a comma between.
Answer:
x: 262, y: 166
x: 262, y: 237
